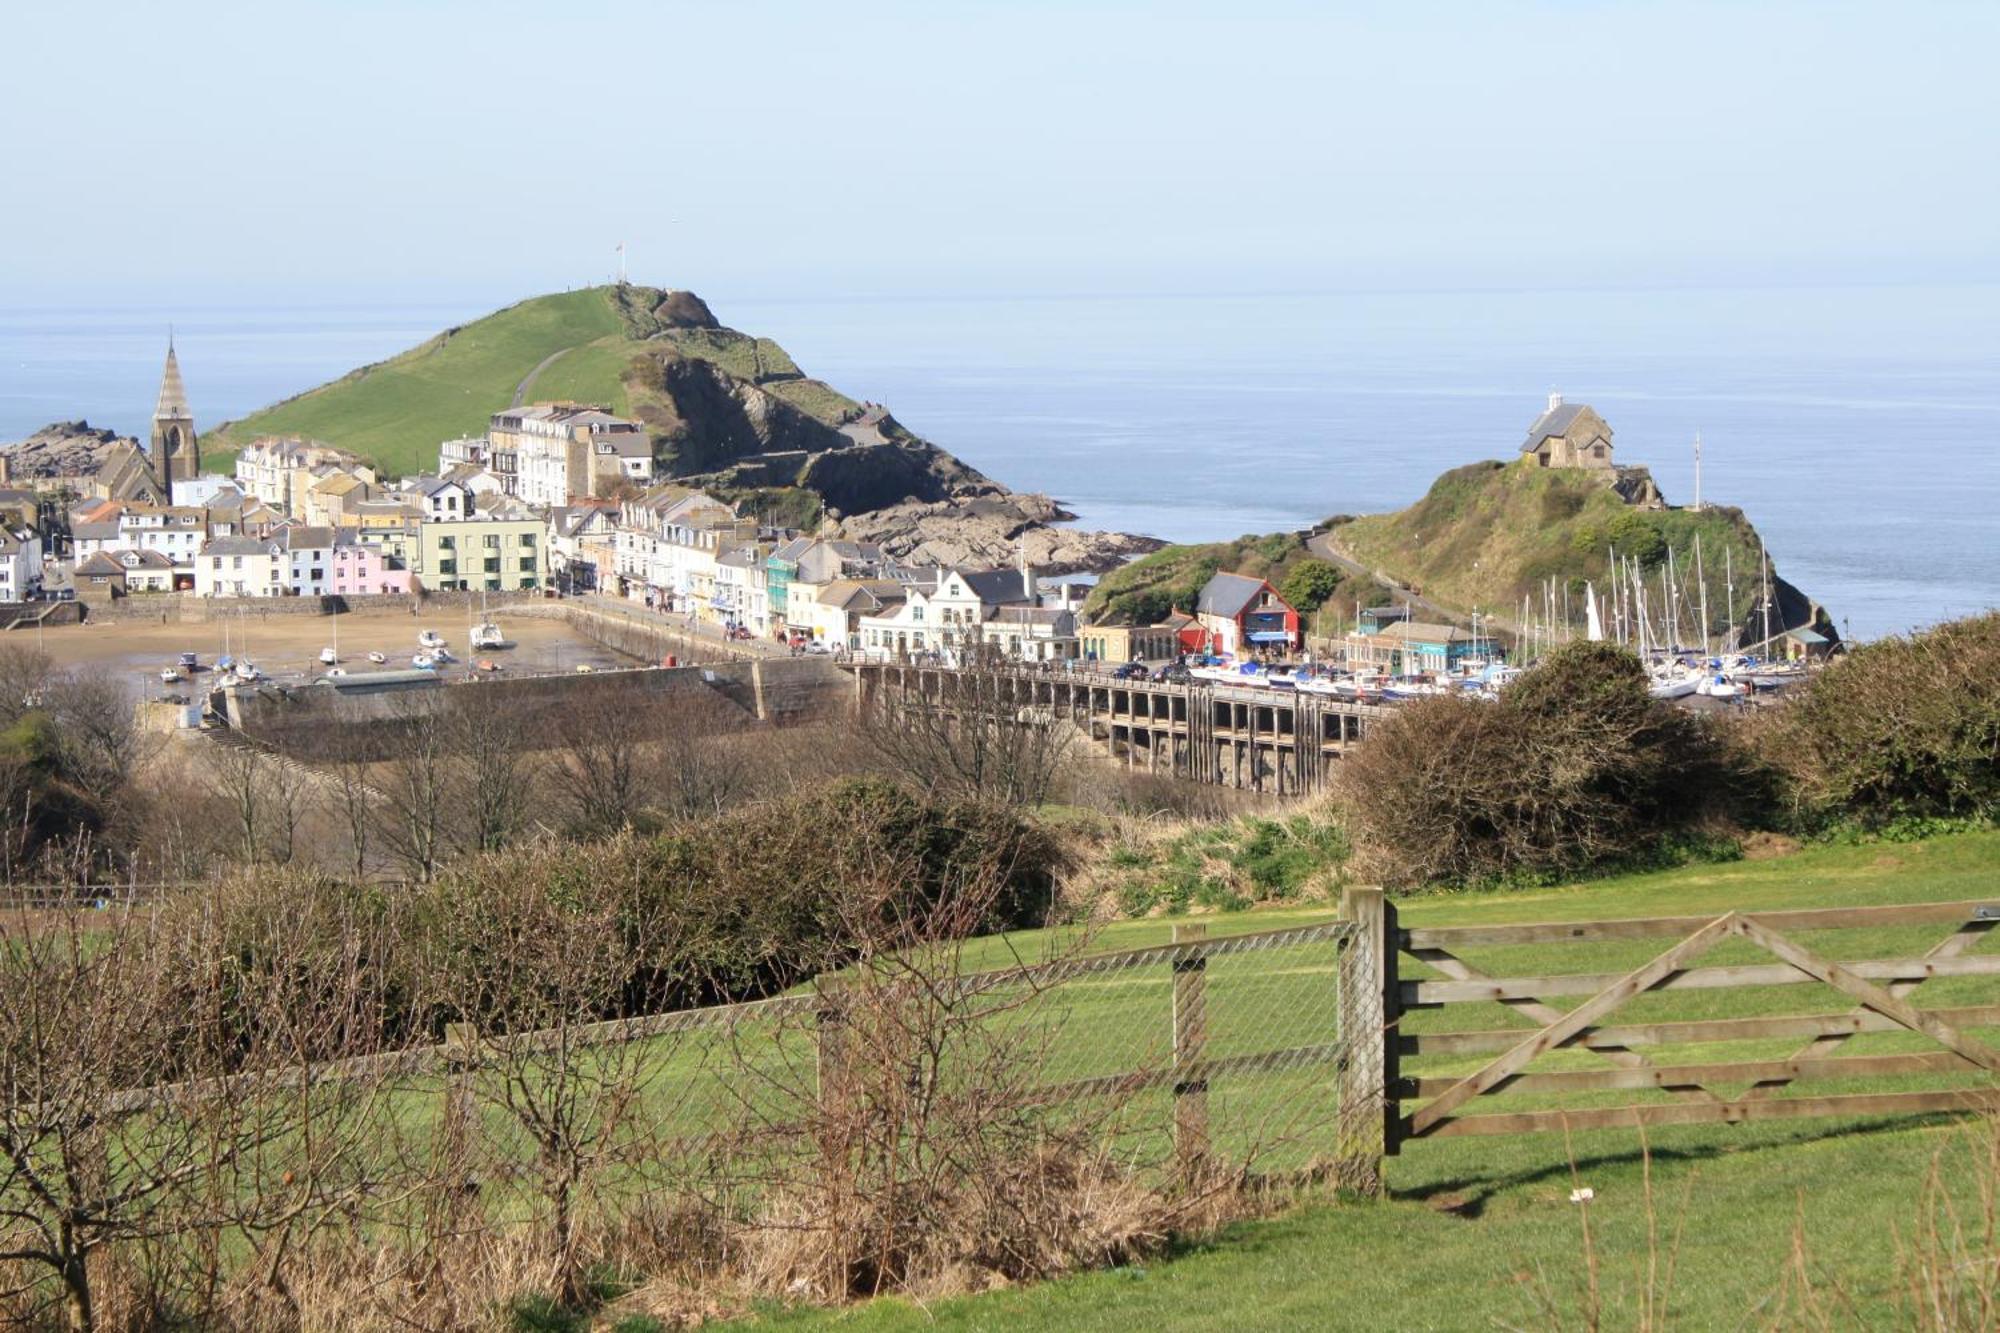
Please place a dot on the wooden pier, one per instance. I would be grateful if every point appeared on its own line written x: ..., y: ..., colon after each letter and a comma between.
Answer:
x: 1256, y: 739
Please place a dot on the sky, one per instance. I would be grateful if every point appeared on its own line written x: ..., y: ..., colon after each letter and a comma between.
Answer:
x: 429, y: 149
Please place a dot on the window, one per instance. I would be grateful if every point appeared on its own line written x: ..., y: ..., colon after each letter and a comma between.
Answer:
x: 447, y: 566
x: 447, y: 543
x: 528, y: 539
x: 916, y: 613
x: 491, y: 541
x: 492, y: 564
x: 528, y: 582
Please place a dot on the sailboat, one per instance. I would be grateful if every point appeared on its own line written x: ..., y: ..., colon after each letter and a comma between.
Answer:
x: 330, y: 655
x: 486, y: 635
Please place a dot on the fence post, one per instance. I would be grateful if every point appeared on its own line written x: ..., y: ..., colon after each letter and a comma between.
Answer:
x: 460, y: 1054
x: 1190, y: 1018
x: 832, y: 1041
x: 1368, y: 1012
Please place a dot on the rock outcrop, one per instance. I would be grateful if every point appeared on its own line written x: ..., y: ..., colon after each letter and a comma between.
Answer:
x: 991, y: 530
x: 64, y: 449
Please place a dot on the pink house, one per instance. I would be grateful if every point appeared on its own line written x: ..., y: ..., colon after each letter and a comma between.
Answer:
x: 359, y: 571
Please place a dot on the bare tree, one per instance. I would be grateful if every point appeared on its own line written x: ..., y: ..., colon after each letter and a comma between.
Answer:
x: 98, y: 730
x: 499, y: 773
x: 961, y: 735
x: 24, y: 679
x: 153, y: 1104
x: 418, y: 781
x: 597, y: 772
x: 559, y: 1091
x: 355, y: 800
x: 697, y: 767
x: 236, y: 774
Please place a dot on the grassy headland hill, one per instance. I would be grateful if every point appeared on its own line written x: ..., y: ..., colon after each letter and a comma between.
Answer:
x: 728, y: 411
x: 1483, y: 537
x: 1488, y: 534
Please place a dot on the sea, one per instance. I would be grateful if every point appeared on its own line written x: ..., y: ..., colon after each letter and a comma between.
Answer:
x: 1859, y: 427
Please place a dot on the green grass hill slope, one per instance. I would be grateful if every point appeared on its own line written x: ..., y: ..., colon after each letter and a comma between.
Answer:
x: 601, y: 345
x: 1490, y: 533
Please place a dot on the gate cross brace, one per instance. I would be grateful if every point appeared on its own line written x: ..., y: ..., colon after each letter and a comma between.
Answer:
x: 1623, y: 1056
x: 1573, y: 1024
x: 1950, y: 947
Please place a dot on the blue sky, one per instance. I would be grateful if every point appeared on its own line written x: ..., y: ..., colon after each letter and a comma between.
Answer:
x: 428, y: 149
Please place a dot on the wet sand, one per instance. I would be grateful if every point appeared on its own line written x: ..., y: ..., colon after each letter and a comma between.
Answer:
x: 287, y: 647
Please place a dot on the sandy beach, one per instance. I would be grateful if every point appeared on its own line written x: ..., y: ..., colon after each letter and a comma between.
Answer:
x: 287, y: 647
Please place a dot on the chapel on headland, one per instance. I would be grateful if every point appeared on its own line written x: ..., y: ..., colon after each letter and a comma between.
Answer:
x: 1569, y: 435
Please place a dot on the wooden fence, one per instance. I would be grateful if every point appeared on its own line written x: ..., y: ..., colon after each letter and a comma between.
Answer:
x: 1379, y: 998
x: 1171, y: 1050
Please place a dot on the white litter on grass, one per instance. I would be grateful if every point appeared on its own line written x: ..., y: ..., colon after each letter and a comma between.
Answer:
x: 1582, y: 1195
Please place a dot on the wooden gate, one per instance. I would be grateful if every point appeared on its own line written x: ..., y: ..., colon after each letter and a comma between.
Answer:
x: 1640, y: 1056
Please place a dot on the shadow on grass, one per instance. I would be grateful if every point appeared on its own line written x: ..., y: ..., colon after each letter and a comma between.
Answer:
x: 1466, y: 1196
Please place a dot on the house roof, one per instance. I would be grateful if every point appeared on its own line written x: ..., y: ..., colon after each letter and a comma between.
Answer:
x: 861, y: 594
x: 306, y: 538
x: 1426, y: 631
x: 1054, y: 617
x: 337, y: 483
x: 1228, y: 595
x: 1000, y: 587
x: 141, y: 559
x: 1555, y: 421
x: 100, y: 563
x: 237, y: 546
x: 95, y: 532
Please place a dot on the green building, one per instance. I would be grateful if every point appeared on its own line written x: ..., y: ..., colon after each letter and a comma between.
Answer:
x: 479, y: 553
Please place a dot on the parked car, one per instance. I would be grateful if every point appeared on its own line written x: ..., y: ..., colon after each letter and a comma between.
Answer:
x: 817, y: 647
x: 1130, y: 671
x: 1173, y: 673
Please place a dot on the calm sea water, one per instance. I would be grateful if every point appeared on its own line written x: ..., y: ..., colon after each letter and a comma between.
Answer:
x: 1859, y: 427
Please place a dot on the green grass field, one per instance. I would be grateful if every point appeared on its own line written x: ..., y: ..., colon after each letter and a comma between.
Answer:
x: 1477, y: 1229
x: 397, y: 412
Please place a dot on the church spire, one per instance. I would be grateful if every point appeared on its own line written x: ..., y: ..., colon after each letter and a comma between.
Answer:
x: 176, y: 455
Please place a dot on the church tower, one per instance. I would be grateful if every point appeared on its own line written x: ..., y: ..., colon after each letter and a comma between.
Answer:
x: 176, y: 456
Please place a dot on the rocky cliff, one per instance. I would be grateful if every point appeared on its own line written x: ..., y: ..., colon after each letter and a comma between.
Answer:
x: 64, y: 449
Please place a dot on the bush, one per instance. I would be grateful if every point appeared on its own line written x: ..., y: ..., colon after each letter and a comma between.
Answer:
x: 1638, y: 538
x: 729, y: 908
x: 1576, y: 767
x: 1309, y: 583
x: 1901, y: 729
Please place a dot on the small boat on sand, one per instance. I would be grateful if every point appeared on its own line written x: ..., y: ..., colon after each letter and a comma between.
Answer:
x: 378, y: 658
x: 430, y: 638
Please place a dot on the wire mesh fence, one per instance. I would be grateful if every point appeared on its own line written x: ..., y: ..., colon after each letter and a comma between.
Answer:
x: 1205, y: 1054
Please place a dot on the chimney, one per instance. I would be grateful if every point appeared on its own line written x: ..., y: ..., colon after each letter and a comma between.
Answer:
x: 1555, y: 400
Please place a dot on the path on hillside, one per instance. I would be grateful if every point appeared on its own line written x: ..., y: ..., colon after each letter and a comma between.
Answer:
x: 521, y: 389
x: 1323, y: 545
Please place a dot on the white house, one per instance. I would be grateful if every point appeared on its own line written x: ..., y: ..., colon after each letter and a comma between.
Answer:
x: 742, y: 583
x: 241, y: 567
x: 443, y: 501
x: 957, y: 612
x: 20, y: 565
